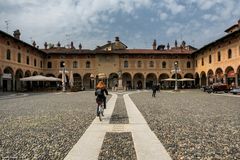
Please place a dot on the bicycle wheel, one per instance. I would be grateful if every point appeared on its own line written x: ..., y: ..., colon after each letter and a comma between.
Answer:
x: 99, y: 112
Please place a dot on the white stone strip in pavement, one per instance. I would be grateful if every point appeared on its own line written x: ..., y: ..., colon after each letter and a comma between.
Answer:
x: 146, y: 143
x: 89, y: 145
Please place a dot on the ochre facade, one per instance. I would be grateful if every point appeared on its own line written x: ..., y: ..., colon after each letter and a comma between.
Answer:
x: 218, y: 61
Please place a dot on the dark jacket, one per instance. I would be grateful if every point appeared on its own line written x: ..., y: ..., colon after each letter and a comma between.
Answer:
x: 102, y: 96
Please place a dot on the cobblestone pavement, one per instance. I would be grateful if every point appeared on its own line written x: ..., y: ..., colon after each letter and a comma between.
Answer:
x: 118, y: 146
x: 192, y: 124
x: 119, y: 115
x: 44, y: 126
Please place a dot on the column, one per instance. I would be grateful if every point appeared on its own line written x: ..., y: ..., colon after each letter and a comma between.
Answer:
x: 200, y: 81
x: 13, y: 83
x: 132, y: 83
x: 207, y: 81
x: 1, y: 82
x: 225, y: 78
x: 236, y: 80
x: 144, y: 83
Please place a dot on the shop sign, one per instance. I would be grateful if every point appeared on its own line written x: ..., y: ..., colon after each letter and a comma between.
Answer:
x: 7, y: 76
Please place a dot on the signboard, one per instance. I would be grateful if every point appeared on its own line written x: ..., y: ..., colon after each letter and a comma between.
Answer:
x: 7, y: 76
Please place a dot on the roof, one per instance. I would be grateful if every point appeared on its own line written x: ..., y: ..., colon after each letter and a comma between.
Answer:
x: 232, y: 27
x: 20, y: 41
x: 218, y: 40
x: 63, y: 50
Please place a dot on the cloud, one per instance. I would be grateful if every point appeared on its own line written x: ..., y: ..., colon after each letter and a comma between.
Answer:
x: 163, y: 16
x: 173, y: 6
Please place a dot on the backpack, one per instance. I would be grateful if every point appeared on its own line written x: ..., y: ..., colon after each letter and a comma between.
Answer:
x: 99, y: 92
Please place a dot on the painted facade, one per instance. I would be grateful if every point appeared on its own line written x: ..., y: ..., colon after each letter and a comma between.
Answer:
x: 218, y: 61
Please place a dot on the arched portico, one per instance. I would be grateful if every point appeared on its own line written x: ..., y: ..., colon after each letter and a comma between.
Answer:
x: 238, y: 76
x: 112, y: 80
x: 150, y: 80
x: 219, y: 75
x: 8, y: 79
x: 138, y: 80
x: 127, y: 80
x: 210, y: 77
x: 18, y: 83
x: 230, y: 75
x: 87, y: 83
x: 203, y: 79
x: 77, y: 80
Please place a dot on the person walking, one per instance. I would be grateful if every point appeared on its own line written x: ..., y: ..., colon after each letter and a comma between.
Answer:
x: 154, y: 89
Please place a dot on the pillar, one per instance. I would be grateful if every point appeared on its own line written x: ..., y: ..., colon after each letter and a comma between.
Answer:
x: 236, y: 80
x: 225, y: 78
x: 144, y: 83
x: 13, y: 83
x: 200, y: 81
x: 207, y: 81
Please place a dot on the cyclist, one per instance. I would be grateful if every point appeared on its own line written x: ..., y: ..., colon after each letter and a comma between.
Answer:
x: 100, y: 89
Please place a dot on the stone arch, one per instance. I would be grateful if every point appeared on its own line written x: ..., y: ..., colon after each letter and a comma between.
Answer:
x: 87, y: 83
x: 112, y: 80
x: 151, y: 78
x: 219, y: 75
x: 210, y: 77
x: 197, y: 80
x: 127, y: 80
x: 230, y: 75
x: 50, y: 75
x: 163, y: 76
x: 77, y: 80
x: 35, y: 73
x: 203, y: 79
x: 8, y: 80
x: 178, y: 76
x: 188, y: 75
x: 27, y: 73
x: 138, y: 80
x: 18, y: 83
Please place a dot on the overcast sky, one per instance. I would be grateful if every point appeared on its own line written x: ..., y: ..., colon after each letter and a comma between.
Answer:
x: 136, y: 22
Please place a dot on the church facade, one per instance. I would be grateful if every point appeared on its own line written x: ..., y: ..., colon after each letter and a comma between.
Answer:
x: 218, y: 61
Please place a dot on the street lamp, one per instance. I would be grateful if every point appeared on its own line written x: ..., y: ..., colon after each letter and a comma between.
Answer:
x: 63, y: 79
x: 176, y: 70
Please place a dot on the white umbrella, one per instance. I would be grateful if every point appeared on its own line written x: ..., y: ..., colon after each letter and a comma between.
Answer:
x: 168, y: 79
x: 39, y: 78
x: 186, y: 79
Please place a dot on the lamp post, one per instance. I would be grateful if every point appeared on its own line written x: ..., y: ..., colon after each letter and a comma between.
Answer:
x: 63, y: 79
x: 92, y: 77
x: 176, y: 70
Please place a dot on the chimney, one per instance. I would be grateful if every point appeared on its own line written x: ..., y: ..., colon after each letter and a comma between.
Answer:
x: 80, y: 46
x: 117, y: 39
x: 168, y: 46
x: 45, y: 45
x: 109, y: 42
x: 154, y: 44
x: 239, y: 23
x: 17, y: 34
x: 72, y: 46
x: 58, y: 44
x: 183, y: 44
x: 34, y: 44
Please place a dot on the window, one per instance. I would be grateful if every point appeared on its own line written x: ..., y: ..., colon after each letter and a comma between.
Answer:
x: 75, y: 64
x: 41, y: 64
x: 202, y: 62
x: 35, y: 62
x: 219, y: 56
x: 8, y: 43
x: 125, y: 64
x: 19, y: 57
x: 28, y: 60
x: 139, y: 64
x: 188, y: 64
x: 196, y: 63
x: 49, y: 65
x: 164, y: 64
x: 88, y: 64
x: 229, y: 53
x: 151, y: 64
x: 210, y: 59
x: 8, y: 54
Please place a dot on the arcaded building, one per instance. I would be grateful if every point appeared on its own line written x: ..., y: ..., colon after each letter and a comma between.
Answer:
x: 138, y: 68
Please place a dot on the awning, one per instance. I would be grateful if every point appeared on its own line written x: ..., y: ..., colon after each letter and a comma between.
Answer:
x: 168, y: 79
x: 39, y: 78
x: 186, y: 79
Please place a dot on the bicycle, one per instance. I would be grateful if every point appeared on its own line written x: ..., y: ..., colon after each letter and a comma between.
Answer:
x: 100, y: 109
